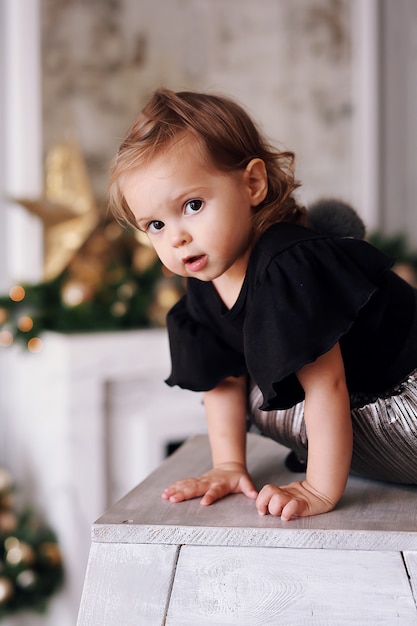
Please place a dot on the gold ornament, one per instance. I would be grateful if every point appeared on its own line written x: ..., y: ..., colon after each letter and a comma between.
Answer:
x: 126, y: 291
x: 8, y: 521
x: 7, y: 499
x: 144, y: 255
x: 166, y: 295
x: 5, y: 479
x: 26, y: 579
x: 68, y: 209
x: 118, y: 308
x: 50, y: 553
x: 104, y: 258
x: 18, y: 552
x: 407, y: 272
x: 6, y: 590
x: 75, y: 292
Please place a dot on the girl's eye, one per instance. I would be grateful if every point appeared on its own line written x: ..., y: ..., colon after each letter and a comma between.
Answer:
x: 193, y: 206
x: 155, y: 226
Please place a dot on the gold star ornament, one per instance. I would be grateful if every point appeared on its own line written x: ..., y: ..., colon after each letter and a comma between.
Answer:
x: 68, y: 209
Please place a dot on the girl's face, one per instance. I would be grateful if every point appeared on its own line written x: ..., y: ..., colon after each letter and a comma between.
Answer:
x: 197, y: 218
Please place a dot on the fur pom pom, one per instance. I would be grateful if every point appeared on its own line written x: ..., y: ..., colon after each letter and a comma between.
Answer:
x: 335, y: 218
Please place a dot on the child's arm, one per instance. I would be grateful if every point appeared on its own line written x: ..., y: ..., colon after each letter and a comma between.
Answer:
x: 226, y: 408
x: 329, y: 430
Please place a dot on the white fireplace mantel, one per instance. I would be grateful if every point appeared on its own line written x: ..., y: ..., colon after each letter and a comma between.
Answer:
x: 85, y: 420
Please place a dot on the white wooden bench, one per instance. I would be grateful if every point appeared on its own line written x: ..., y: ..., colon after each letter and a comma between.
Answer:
x: 154, y: 563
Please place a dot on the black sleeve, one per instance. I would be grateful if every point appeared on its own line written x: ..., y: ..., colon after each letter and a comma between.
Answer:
x: 308, y: 297
x: 199, y: 358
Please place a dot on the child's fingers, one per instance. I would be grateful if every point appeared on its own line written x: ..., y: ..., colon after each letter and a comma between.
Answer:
x: 291, y: 500
x: 247, y: 487
x: 292, y: 509
x: 214, y: 493
x: 185, y: 490
x: 277, y: 502
x: 265, y: 497
x: 220, y: 489
x: 212, y: 486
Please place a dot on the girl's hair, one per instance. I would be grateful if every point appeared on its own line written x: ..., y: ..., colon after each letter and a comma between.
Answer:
x: 230, y: 138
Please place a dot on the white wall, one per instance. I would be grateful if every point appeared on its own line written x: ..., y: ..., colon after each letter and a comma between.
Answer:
x: 398, y: 155
x: 366, y: 141
x: 289, y: 63
x: 21, y: 140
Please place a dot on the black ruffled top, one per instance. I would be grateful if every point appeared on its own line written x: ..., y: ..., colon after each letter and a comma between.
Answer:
x: 302, y: 293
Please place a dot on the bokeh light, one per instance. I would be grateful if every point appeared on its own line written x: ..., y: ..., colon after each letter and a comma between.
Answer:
x: 25, y: 324
x: 6, y: 338
x: 35, y: 344
x: 17, y: 293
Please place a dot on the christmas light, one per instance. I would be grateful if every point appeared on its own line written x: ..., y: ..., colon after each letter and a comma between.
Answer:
x: 31, y: 567
x: 6, y: 589
x: 112, y: 282
x: 126, y: 291
x: 35, y: 344
x: 25, y: 324
x: 6, y: 338
x: 26, y: 579
x: 73, y: 293
x: 17, y: 293
x: 118, y: 309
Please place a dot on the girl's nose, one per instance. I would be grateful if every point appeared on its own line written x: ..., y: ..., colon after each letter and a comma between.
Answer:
x: 179, y: 238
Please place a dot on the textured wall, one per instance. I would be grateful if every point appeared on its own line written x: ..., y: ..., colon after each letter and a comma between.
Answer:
x: 288, y: 62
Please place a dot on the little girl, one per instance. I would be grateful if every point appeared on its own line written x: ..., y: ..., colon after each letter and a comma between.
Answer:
x: 313, y: 334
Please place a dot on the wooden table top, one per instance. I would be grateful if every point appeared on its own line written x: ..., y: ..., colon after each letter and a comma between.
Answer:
x: 154, y: 563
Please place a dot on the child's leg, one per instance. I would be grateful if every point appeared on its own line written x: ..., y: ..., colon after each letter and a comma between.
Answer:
x: 385, y: 437
x: 384, y: 433
x: 287, y: 427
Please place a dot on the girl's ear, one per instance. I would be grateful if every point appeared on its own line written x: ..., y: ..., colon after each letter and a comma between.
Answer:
x: 256, y: 179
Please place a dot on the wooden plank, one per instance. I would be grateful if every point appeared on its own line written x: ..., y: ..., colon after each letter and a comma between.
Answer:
x: 371, y: 515
x: 270, y: 586
x: 127, y: 585
x: 410, y: 559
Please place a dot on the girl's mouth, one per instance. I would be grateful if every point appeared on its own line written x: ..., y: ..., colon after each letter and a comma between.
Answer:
x: 195, y: 263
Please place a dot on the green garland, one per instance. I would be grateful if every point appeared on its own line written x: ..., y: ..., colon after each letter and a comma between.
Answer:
x: 31, y: 568
x: 395, y: 246
x: 125, y: 300
x: 112, y: 283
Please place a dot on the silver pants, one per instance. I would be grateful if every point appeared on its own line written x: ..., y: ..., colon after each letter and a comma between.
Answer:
x: 384, y: 433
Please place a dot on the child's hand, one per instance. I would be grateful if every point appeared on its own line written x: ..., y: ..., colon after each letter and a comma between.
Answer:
x: 295, y: 499
x: 213, y: 485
